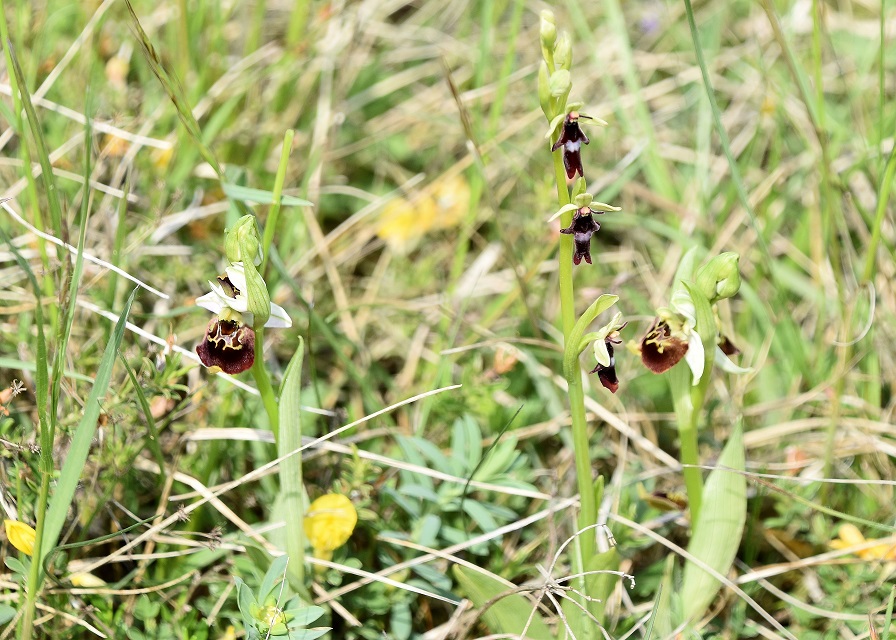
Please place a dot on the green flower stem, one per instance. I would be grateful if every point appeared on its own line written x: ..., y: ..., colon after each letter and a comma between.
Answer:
x: 270, y: 226
x: 687, y: 401
x: 263, y: 381
x: 588, y: 512
x: 34, y: 577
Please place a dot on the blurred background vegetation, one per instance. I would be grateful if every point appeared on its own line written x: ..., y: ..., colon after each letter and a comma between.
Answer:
x: 427, y: 261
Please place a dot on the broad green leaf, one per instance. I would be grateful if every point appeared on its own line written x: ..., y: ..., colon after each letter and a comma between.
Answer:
x: 510, y: 613
x: 291, y: 487
x: 7, y: 613
x: 84, y: 433
x: 598, y: 586
x: 261, y: 196
x: 718, y: 531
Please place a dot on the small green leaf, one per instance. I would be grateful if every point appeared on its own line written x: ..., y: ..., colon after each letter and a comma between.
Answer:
x: 510, y: 613
x: 308, y: 634
x: 719, y: 529
x: 7, y: 613
x: 305, y: 616
x: 272, y: 576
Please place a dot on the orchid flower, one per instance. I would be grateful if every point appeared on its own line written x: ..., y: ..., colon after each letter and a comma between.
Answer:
x: 228, y: 299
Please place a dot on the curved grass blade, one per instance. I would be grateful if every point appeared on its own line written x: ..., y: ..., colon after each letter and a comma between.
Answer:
x: 86, y: 429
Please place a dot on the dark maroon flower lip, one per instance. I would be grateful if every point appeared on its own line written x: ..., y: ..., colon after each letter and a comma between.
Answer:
x: 571, y: 139
x: 582, y: 228
x: 227, y: 345
x: 607, y: 375
x: 660, y: 349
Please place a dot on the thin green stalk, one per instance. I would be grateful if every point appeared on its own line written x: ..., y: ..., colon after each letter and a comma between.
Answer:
x: 255, y: 30
x: 687, y: 402
x: 34, y: 577
x: 183, y: 40
x: 270, y: 225
x: 263, y: 382
x: 512, y: 32
x: 883, y: 197
x: 581, y: 446
x: 297, y: 22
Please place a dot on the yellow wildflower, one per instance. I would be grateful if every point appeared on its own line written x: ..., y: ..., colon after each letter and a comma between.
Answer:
x: 403, y: 223
x: 452, y: 197
x: 20, y: 535
x: 850, y: 536
x: 329, y: 524
x: 443, y: 205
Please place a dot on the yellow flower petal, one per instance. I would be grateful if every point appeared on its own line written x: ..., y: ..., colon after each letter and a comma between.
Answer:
x: 20, y: 535
x: 86, y: 580
x: 452, y: 197
x: 329, y: 523
x: 850, y: 534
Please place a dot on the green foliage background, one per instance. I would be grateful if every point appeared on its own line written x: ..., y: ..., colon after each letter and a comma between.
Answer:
x: 804, y: 93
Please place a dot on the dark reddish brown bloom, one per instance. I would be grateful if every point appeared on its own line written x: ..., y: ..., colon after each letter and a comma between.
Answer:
x: 607, y: 375
x: 228, y: 345
x: 582, y: 228
x: 571, y: 139
x: 660, y: 348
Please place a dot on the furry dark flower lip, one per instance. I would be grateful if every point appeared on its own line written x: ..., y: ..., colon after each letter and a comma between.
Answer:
x: 571, y: 139
x: 228, y: 345
x: 661, y: 349
x: 582, y: 228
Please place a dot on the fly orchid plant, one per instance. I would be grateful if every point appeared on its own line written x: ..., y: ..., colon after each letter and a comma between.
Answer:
x: 577, y: 211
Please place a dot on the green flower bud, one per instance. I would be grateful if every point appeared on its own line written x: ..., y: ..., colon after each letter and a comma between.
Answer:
x: 563, y: 52
x: 561, y: 83
x: 241, y: 243
x: 548, y: 29
x: 544, y: 90
x: 720, y: 277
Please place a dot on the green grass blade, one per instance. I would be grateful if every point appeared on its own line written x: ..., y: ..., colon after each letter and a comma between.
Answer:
x: 21, y: 365
x: 261, y: 196
x: 43, y: 152
x: 291, y: 488
x: 175, y: 92
x: 718, y: 531
x: 86, y: 429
